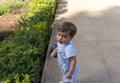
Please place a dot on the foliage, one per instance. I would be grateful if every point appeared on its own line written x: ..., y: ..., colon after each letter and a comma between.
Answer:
x: 26, y: 79
x: 22, y: 54
x: 7, y: 6
x: 41, y: 9
x: 4, y: 8
x: 16, y: 3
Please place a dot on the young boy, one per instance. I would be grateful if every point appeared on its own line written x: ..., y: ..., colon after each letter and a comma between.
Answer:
x: 66, y: 53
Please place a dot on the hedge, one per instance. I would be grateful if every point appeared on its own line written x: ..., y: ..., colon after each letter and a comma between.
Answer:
x: 22, y: 54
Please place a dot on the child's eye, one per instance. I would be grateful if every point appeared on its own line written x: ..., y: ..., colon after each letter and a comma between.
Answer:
x: 62, y: 35
x: 59, y: 35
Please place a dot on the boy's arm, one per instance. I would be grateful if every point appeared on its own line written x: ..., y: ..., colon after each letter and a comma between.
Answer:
x: 72, y: 66
x: 53, y: 53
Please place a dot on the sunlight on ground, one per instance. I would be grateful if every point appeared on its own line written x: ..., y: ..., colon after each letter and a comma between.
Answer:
x: 94, y: 7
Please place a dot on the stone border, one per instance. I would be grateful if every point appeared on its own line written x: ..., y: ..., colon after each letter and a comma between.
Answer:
x: 60, y: 9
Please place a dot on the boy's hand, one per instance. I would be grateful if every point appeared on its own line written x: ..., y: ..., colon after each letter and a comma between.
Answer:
x: 53, y: 51
x: 69, y: 75
x: 53, y: 54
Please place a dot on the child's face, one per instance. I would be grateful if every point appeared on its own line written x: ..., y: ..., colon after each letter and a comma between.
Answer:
x: 63, y: 37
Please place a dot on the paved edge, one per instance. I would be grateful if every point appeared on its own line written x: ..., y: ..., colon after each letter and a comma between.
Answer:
x: 47, y: 55
x: 52, y: 38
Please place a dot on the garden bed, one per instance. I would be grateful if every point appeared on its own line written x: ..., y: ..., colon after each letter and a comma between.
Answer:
x: 22, y: 54
x: 9, y: 22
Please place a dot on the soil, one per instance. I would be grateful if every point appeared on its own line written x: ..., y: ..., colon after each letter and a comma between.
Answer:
x: 9, y: 22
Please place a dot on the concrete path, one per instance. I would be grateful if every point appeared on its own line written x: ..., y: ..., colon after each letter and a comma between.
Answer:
x: 97, y: 41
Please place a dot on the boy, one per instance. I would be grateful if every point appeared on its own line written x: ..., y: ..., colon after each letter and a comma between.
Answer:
x: 66, y: 53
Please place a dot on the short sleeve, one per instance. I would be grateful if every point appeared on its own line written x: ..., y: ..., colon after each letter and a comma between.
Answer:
x: 70, y: 51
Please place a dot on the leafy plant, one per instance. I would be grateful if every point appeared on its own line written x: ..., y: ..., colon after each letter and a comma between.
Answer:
x: 17, y: 79
x: 7, y: 6
x: 22, y: 54
x: 16, y: 3
x: 4, y: 8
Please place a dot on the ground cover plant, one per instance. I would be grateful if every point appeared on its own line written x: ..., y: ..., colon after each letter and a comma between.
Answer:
x: 7, y: 6
x: 22, y: 54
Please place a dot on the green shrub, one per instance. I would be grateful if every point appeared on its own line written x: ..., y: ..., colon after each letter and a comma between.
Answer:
x: 26, y: 79
x: 7, y: 6
x: 16, y: 3
x: 4, y: 8
x: 22, y: 54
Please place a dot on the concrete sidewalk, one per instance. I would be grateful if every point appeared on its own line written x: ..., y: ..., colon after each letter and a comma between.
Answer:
x: 97, y: 41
